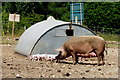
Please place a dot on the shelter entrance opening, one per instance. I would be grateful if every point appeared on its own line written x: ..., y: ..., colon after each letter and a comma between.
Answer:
x: 69, y: 32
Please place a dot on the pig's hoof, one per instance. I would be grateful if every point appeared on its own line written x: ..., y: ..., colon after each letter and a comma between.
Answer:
x: 74, y: 63
x: 103, y: 63
x: 57, y: 61
x: 98, y: 64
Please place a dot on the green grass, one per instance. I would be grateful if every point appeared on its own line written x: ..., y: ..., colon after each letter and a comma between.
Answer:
x: 7, y: 39
x: 110, y: 37
x: 113, y: 45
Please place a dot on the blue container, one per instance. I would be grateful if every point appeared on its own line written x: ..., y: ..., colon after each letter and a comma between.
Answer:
x: 76, y: 10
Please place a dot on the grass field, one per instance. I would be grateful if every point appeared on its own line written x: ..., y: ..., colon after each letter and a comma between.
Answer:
x: 110, y: 37
x: 7, y: 39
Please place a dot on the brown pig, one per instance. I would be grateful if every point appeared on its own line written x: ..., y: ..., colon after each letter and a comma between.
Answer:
x: 81, y: 46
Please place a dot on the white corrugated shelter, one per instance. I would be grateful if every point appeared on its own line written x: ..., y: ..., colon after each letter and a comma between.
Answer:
x: 45, y: 36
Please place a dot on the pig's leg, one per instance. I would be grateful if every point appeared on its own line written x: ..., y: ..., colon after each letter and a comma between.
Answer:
x: 58, y: 57
x: 74, y: 57
x: 57, y: 60
x: 77, y: 58
x: 102, y: 56
x: 98, y: 56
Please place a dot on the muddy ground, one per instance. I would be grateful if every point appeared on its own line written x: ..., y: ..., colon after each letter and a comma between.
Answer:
x: 18, y: 66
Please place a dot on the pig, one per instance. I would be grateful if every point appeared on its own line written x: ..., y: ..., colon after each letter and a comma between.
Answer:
x: 81, y: 46
x: 37, y: 57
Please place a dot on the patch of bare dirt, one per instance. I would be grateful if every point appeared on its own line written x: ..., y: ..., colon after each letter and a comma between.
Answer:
x: 18, y: 66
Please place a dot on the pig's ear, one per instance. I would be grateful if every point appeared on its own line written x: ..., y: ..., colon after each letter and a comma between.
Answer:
x: 58, y: 49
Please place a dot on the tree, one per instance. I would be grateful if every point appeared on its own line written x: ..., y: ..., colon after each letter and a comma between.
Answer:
x: 101, y: 15
x: 33, y: 12
x: 96, y: 14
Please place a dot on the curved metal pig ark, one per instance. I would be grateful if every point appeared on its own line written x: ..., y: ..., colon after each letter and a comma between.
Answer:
x: 82, y: 45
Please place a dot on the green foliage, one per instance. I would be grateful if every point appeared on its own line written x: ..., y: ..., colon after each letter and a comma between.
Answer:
x: 6, y: 24
x: 96, y: 14
x: 31, y: 13
x: 102, y: 14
